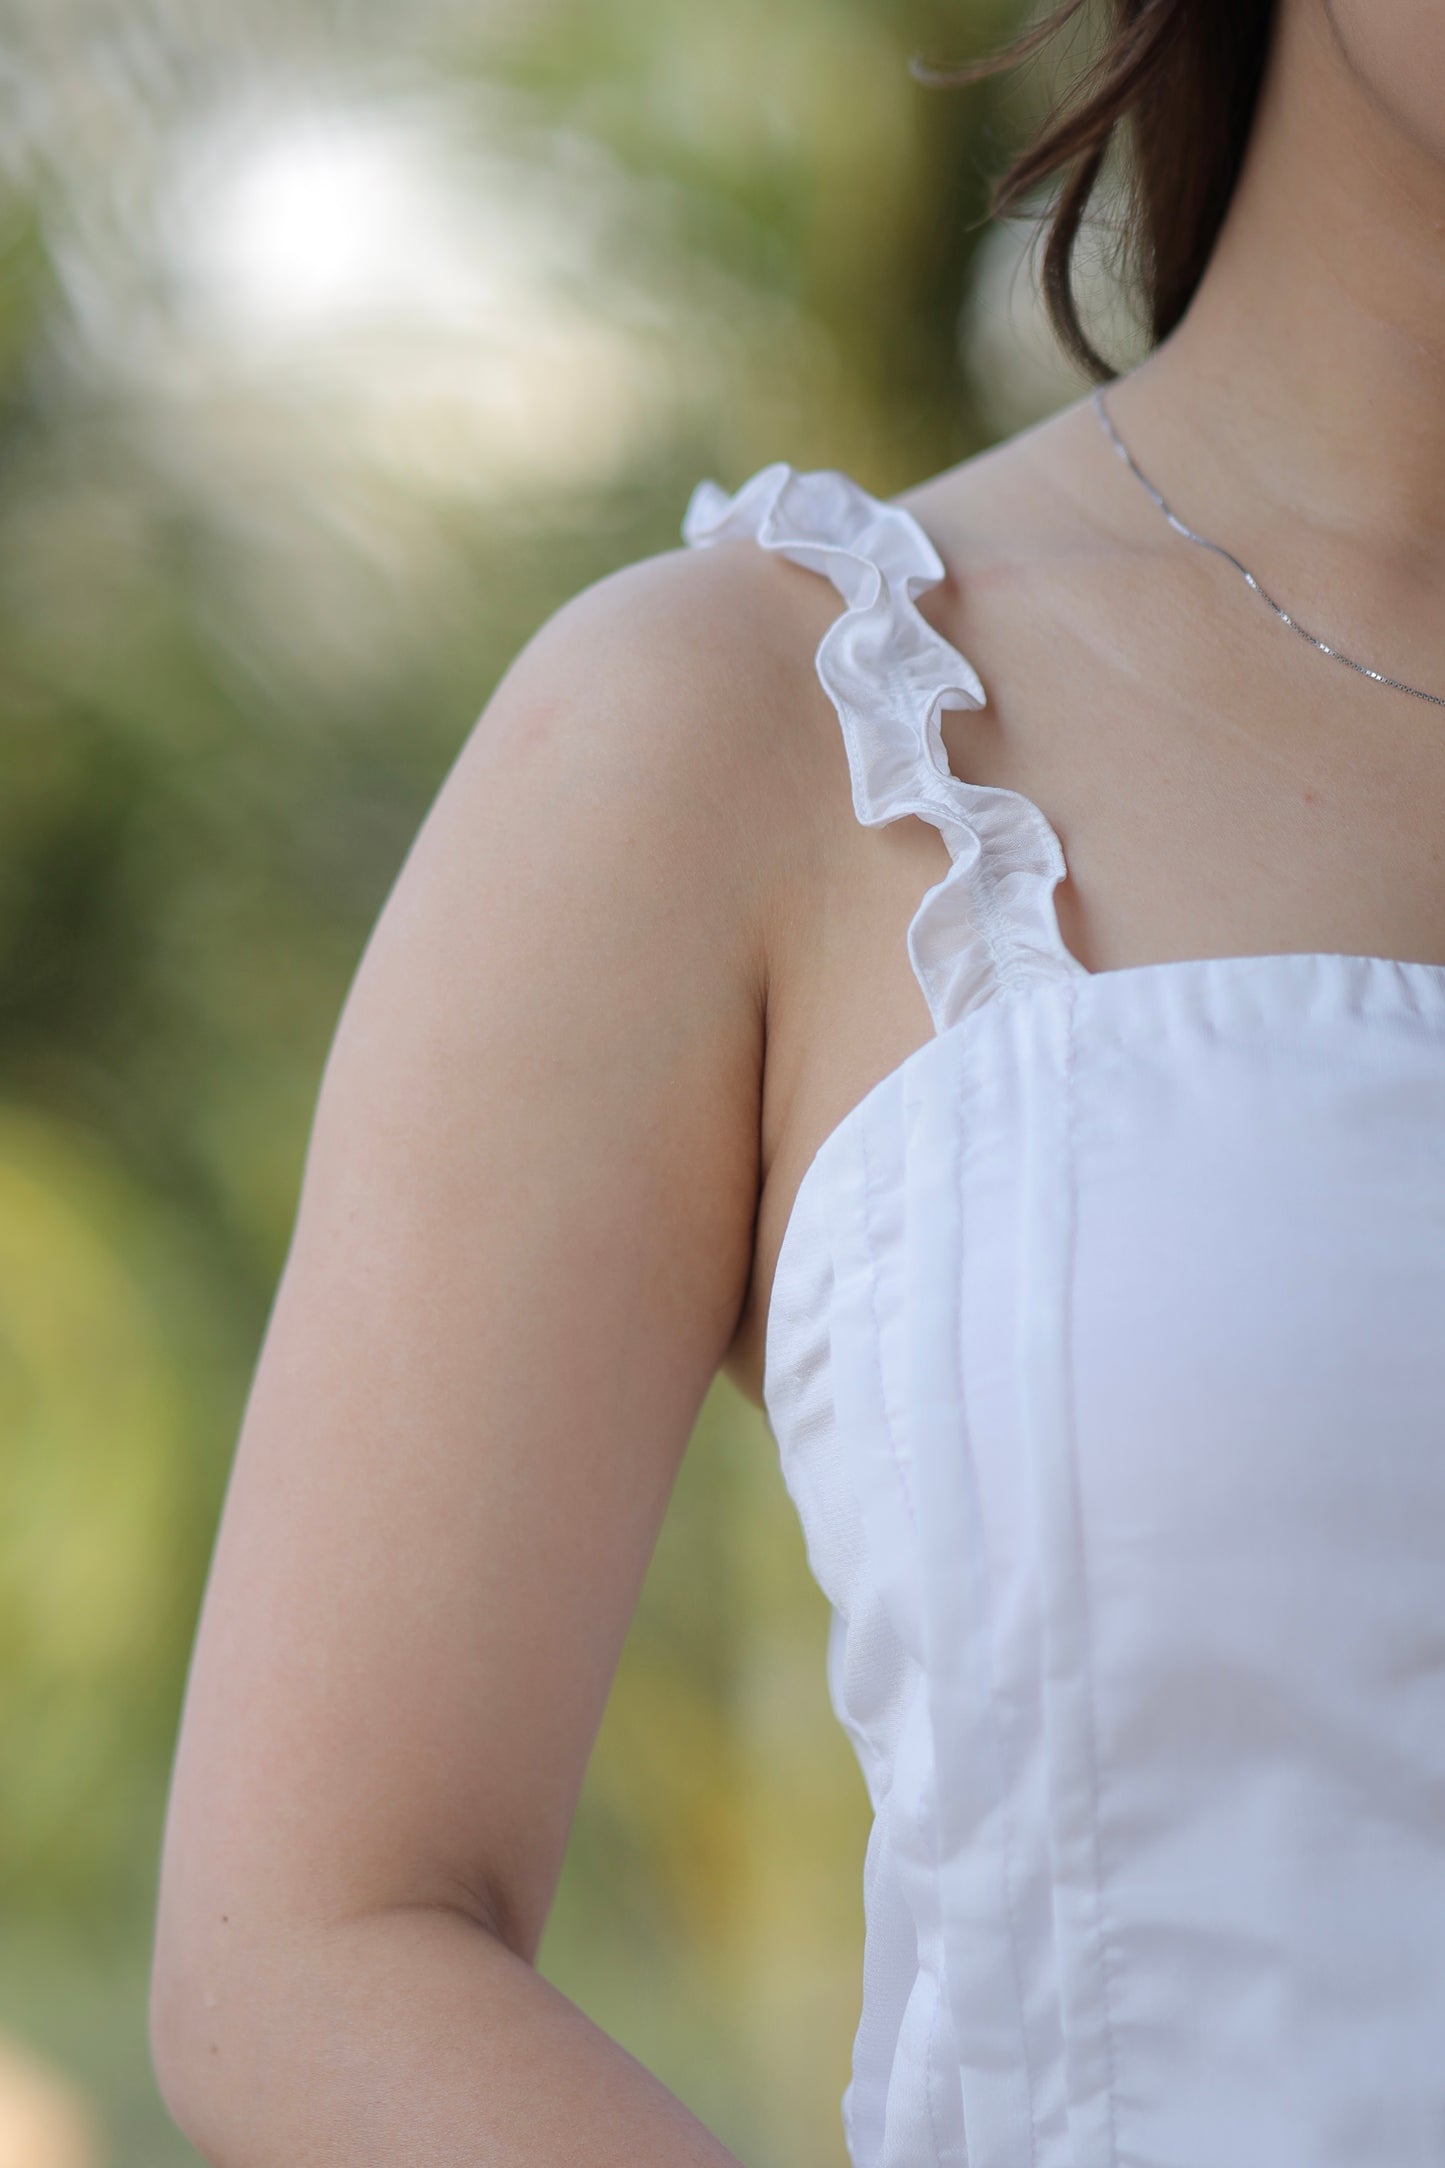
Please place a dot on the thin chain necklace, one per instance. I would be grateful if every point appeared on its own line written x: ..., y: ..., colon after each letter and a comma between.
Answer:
x: 1436, y: 699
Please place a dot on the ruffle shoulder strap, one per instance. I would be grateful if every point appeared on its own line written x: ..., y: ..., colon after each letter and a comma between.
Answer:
x: 989, y: 928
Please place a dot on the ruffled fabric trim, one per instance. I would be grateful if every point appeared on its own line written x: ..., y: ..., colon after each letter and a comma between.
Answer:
x: 989, y: 927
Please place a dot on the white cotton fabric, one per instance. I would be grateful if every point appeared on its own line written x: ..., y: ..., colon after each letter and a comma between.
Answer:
x: 1106, y: 1364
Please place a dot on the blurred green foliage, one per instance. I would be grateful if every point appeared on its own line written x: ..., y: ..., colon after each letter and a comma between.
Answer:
x: 263, y: 554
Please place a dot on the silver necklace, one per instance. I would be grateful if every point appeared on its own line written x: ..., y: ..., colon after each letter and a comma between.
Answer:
x: 1436, y: 699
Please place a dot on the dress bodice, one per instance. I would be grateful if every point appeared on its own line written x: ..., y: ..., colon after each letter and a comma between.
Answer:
x: 1106, y: 1363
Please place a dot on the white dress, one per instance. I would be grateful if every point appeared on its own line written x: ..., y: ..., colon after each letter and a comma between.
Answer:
x: 1106, y: 1364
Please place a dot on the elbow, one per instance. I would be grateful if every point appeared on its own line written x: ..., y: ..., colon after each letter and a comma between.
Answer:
x: 177, y: 2044
x: 213, y: 2002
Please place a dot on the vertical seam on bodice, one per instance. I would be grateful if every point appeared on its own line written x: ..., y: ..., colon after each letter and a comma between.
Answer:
x: 938, y: 1985
x: 1101, y: 1939
x: 988, y: 1609
x: 876, y: 1337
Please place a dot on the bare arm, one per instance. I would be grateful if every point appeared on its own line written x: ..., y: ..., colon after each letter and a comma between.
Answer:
x: 521, y: 1248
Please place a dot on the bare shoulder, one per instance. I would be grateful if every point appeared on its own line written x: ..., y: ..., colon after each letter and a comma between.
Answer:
x: 724, y: 628
x: 677, y: 692
x: 573, y: 968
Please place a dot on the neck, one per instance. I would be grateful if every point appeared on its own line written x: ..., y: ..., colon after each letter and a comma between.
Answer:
x: 1307, y: 378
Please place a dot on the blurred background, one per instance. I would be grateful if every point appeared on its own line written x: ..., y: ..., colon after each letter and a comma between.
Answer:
x: 339, y: 344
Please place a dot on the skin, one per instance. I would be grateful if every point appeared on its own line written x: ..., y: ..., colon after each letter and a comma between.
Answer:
x: 1219, y: 788
x: 640, y: 961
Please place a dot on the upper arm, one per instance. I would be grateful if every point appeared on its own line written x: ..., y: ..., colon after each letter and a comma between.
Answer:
x: 523, y: 1237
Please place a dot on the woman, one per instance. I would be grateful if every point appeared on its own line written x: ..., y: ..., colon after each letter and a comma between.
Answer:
x: 1095, y: 1297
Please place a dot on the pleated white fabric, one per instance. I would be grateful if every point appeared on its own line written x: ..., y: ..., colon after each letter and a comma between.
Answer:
x: 1106, y: 1364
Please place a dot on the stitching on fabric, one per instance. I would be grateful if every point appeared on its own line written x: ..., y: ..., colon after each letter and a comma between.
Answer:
x: 995, y: 1724
x: 999, y: 933
x: 920, y: 1680
x: 921, y: 1819
x: 928, y: 2066
x: 918, y: 1817
x: 869, y: 1194
x: 1101, y: 1942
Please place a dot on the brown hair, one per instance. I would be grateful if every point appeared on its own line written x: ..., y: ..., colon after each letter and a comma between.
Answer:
x: 1178, y: 81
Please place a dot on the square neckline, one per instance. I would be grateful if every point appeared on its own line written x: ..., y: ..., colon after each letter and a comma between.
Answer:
x: 888, y: 672
x: 1270, y: 962
x: 964, y: 795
